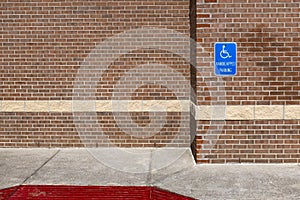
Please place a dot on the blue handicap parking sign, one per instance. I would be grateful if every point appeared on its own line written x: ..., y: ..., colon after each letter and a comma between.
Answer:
x: 225, y: 58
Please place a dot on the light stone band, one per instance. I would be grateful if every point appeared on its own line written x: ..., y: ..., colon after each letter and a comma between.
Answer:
x: 249, y: 112
x: 244, y: 112
x: 98, y: 106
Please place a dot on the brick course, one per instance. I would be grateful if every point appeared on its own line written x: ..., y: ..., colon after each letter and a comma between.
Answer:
x: 262, y: 141
x: 35, y: 129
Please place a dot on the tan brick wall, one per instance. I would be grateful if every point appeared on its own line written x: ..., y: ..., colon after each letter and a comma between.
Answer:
x: 259, y: 106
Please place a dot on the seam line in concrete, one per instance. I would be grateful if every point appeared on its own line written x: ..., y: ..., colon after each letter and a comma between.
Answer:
x: 169, y: 175
x: 33, y: 174
x: 38, y: 169
x: 149, y: 176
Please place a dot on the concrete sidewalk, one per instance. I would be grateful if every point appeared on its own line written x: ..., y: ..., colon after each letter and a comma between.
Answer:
x: 88, y: 167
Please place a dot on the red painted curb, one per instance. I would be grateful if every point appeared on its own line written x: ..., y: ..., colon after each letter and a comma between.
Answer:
x: 58, y: 192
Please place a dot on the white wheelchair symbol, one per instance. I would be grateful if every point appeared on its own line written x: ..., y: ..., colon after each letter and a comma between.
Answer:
x: 224, y: 53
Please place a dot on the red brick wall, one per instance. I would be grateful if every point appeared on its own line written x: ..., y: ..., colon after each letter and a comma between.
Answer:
x: 267, y: 35
x: 268, y: 49
x: 44, y: 43
x: 261, y: 141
